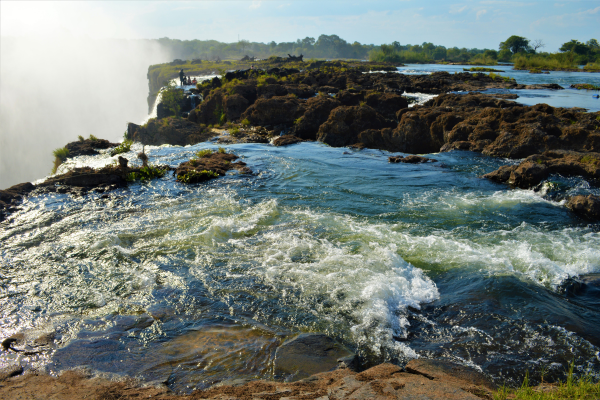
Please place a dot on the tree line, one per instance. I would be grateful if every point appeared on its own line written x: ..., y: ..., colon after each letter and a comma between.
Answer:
x: 334, y: 47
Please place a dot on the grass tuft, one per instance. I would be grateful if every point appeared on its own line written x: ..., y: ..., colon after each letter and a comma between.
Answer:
x: 124, y: 147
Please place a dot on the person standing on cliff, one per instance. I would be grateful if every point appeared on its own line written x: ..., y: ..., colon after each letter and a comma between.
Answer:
x: 181, y: 77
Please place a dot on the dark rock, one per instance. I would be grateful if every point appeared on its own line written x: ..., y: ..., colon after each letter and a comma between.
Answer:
x: 585, y: 206
x: 345, y: 123
x: 9, y: 371
x: 502, y: 174
x: 287, y: 140
x: 218, y: 163
x: 309, y: 354
x: 387, y: 104
x: 173, y: 131
x: 412, y: 159
x: 88, y: 147
x: 347, y: 98
x: 268, y: 91
x: 528, y: 174
x: 274, y: 111
x: 317, y: 112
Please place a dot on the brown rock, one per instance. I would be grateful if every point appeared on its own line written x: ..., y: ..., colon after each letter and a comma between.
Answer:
x: 585, y: 206
x: 387, y: 104
x: 274, y: 111
x: 345, y: 123
x: 175, y: 131
x: 287, y: 140
x: 309, y: 354
x: 528, y: 174
x: 317, y: 112
x: 502, y: 174
x: 218, y: 163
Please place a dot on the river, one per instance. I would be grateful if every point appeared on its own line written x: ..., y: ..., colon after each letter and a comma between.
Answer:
x: 193, y: 284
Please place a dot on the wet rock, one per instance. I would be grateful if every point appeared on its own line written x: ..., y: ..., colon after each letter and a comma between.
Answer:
x: 309, y: 354
x: 287, y: 140
x: 88, y: 147
x: 528, y: 174
x: 345, y: 124
x: 439, y: 370
x: 10, y: 370
x: 387, y: 104
x: 209, y: 167
x: 412, y: 159
x: 234, y: 105
x: 347, y: 98
x: 585, y: 206
x: 537, y: 167
x: 268, y: 91
x: 317, y: 112
x: 502, y: 174
x: 274, y: 111
x: 175, y: 131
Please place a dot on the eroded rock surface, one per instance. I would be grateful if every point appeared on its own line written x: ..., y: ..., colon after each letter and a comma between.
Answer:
x: 422, y: 379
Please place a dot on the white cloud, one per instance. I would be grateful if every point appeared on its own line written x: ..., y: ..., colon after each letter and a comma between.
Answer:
x: 255, y: 5
x: 480, y: 13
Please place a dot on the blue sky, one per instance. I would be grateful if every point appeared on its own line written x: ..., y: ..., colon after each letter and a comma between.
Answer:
x: 481, y: 24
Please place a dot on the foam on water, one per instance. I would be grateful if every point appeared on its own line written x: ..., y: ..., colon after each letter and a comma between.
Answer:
x: 237, y: 249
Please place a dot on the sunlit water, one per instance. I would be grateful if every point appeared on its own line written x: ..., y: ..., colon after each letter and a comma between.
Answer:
x: 555, y: 98
x: 195, y: 284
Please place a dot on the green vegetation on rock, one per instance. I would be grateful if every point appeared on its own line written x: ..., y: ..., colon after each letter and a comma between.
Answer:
x: 124, y: 147
x: 193, y: 176
x: 60, y: 155
x: 146, y: 173
x: 577, y: 389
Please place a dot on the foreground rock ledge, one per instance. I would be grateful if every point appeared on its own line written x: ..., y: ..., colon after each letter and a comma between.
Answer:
x: 422, y: 379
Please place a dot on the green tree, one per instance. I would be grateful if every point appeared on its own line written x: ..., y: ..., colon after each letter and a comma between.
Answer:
x: 575, y: 46
x: 515, y: 44
x: 491, y: 54
x: 593, y: 44
x: 172, y: 97
x: 504, y: 55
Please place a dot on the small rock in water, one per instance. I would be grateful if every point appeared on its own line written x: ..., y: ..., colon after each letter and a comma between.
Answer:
x: 309, y: 354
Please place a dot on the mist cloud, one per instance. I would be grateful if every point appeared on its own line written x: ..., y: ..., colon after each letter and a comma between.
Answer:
x: 57, y: 86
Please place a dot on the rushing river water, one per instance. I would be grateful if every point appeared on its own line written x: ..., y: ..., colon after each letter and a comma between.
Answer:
x: 193, y: 284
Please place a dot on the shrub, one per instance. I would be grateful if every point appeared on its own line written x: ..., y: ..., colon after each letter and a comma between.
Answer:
x: 235, y: 131
x: 146, y: 173
x: 245, y: 122
x: 203, y: 153
x: 81, y: 138
x: 93, y: 138
x: 60, y: 155
x: 193, y: 176
x: 124, y: 147
x: 221, y: 150
x: 589, y: 160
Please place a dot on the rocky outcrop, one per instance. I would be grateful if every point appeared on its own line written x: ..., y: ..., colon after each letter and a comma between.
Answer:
x: 287, y: 140
x: 421, y: 379
x: 410, y: 159
x: 585, y: 206
x: 88, y: 147
x: 345, y: 124
x: 538, y: 167
x: 317, y: 112
x: 10, y: 198
x: 175, y: 131
x: 308, y: 354
x: 274, y: 111
x: 209, y: 166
